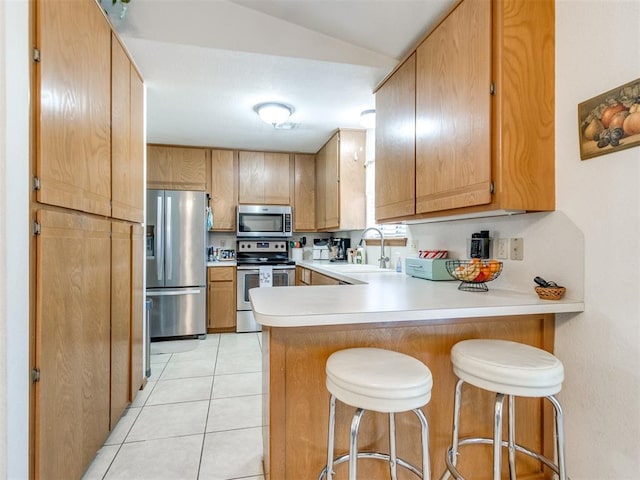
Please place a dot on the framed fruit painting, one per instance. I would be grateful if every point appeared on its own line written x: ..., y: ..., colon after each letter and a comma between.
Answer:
x: 610, y: 121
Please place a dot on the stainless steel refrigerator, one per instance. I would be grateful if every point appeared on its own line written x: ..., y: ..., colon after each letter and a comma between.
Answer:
x: 176, y: 262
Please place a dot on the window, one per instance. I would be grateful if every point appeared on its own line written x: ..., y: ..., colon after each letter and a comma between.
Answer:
x: 394, y: 230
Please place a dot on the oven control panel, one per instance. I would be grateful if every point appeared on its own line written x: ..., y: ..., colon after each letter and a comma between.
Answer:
x: 262, y: 246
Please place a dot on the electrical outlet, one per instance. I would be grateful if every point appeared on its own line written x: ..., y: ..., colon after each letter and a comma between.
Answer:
x: 517, y: 248
x: 413, y: 245
x: 503, y: 248
x: 223, y: 243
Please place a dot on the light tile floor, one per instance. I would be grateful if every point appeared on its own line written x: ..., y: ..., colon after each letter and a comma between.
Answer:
x: 199, y: 418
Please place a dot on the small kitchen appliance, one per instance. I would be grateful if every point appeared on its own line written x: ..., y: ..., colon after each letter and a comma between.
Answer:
x: 321, y: 249
x: 339, y: 249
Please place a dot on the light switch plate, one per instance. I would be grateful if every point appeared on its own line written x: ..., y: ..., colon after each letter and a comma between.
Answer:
x: 503, y: 248
x: 516, y: 246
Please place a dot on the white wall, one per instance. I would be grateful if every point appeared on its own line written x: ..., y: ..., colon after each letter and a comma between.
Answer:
x: 14, y: 237
x: 600, y: 348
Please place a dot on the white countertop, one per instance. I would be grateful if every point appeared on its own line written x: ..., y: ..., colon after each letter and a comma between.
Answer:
x: 222, y: 263
x: 391, y: 297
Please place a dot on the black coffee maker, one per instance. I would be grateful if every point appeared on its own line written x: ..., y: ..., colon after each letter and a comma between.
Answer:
x: 339, y: 248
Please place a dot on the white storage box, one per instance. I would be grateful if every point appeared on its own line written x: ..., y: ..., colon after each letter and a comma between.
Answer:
x: 427, y: 268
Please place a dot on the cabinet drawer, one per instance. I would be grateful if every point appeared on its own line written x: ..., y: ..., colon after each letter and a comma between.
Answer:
x: 221, y: 274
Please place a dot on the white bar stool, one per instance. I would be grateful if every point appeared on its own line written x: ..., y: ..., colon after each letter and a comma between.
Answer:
x: 511, y: 369
x: 383, y: 381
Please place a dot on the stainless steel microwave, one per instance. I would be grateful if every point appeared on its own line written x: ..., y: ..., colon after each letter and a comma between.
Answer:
x: 264, y: 221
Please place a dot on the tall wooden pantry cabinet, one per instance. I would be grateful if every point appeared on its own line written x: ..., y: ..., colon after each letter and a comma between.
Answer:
x: 87, y: 211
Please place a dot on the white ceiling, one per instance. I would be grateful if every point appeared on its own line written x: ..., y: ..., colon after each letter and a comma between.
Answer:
x: 207, y: 63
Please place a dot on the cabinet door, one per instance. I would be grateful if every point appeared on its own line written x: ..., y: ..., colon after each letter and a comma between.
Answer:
x: 73, y: 151
x: 224, y: 189
x: 304, y: 200
x: 222, y: 298
x: 351, y: 184
x: 330, y: 178
x: 320, y: 279
x: 72, y: 323
x: 137, y: 310
x: 321, y: 210
x: 395, y: 144
x: 276, y: 178
x: 120, y: 318
x: 263, y: 178
x: 127, y: 161
x: 453, y: 106
x: 176, y: 168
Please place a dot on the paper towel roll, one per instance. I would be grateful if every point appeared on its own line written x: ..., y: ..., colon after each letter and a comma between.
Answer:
x: 296, y: 254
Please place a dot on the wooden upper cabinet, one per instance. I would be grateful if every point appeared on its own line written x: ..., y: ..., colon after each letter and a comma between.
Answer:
x: 395, y: 154
x: 484, y: 115
x: 264, y: 178
x: 223, y: 189
x: 453, y: 111
x: 73, y: 149
x: 340, y: 182
x: 127, y: 155
x: 176, y: 168
x: 304, y: 193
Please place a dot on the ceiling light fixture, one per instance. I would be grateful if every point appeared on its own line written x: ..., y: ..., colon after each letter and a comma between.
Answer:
x: 368, y: 119
x: 273, y: 113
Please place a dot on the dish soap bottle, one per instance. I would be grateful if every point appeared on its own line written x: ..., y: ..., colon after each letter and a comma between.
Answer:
x: 360, y: 258
x: 398, y: 263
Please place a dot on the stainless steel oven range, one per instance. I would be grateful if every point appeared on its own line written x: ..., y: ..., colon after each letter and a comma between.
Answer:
x: 261, y: 263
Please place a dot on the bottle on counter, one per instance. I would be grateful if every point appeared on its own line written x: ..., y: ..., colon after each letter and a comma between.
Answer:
x: 398, y: 263
x: 360, y: 256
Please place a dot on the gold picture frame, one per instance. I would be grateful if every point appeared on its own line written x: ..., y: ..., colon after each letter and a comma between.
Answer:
x: 604, y: 125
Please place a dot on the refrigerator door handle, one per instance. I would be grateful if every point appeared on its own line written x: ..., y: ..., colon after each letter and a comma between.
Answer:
x: 168, y: 241
x: 159, y: 239
x: 168, y: 293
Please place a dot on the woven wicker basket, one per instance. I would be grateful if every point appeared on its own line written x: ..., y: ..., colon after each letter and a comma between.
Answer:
x: 550, y: 293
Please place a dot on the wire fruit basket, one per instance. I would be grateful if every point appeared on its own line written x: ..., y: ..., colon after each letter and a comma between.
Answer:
x: 474, y: 274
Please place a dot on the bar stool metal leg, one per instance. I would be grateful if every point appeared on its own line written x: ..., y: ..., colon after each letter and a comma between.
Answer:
x: 497, y: 435
x: 331, y: 439
x: 512, y: 438
x: 353, y: 445
x: 393, y: 459
x: 562, y: 472
x: 426, y: 462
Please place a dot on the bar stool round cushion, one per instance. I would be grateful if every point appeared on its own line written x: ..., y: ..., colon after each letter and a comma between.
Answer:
x: 377, y: 379
x: 507, y: 367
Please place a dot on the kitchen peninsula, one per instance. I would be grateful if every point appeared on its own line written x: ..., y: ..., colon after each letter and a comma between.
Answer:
x: 302, y: 326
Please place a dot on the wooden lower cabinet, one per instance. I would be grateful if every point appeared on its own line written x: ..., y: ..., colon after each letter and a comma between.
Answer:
x: 221, y: 306
x: 72, y: 342
x: 296, y: 401
x: 137, y: 376
x: 120, y: 318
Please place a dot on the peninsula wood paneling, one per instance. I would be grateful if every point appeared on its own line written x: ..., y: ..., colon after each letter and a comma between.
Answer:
x: 395, y: 144
x: 453, y: 111
x: 297, y: 401
x: 72, y: 315
x: 73, y: 149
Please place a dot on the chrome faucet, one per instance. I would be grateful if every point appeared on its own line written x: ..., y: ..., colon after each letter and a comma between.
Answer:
x: 383, y: 260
